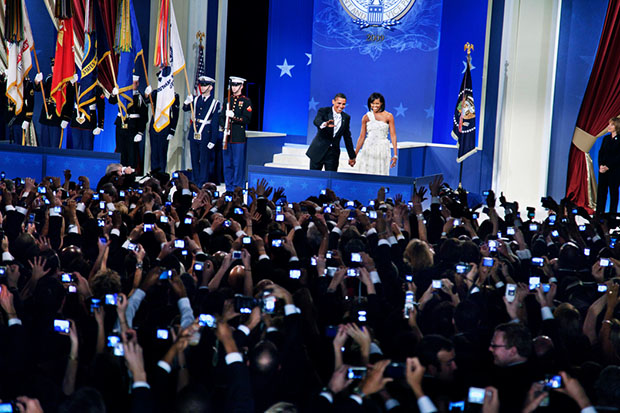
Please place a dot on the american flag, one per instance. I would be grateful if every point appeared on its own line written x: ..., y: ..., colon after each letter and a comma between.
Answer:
x: 200, y: 67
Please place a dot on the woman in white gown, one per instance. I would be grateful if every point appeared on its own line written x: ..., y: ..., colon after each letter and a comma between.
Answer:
x: 373, y: 147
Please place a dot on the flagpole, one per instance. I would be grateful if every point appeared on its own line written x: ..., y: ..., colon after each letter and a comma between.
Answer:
x: 36, y: 61
x: 191, y: 104
x: 118, y: 98
x: 146, y: 75
x: 62, y: 135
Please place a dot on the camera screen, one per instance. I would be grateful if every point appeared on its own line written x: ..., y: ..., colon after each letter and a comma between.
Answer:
x: 236, y: 255
x: 488, y: 262
x: 179, y: 243
x: 355, y: 373
x: 352, y: 272
x: 110, y: 299
x: 294, y: 274
x: 538, y: 261
x: 604, y: 262
x: 276, y: 243
x: 162, y: 334
x: 534, y: 282
x: 66, y: 278
x: 356, y: 257
x: 187, y: 221
x: 601, y: 288
x: 476, y: 395
x: 61, y: 326
x: 165, y: 275
x: 148, y: 227
x: 163, y: 219
x: 207, y: 320
x: 437, y: 284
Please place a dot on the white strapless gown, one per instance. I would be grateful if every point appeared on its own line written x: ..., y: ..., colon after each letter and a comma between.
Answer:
x: 375, y: 156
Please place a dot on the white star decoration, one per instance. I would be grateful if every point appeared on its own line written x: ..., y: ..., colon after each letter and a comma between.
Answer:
x: 285, y: 69
x: 309, y: 56
x: 465, y: 67
x: 430, y: 112
x: 312, y: 104
x: 400, y: 110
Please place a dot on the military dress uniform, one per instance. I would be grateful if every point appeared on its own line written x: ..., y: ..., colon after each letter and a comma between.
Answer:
x: 82, y: 127
x: 202, y: 141
x: 50, y: 121
x: 16, y: 122
x: 135, y: 124
x: 235, y: 155
x: 159, y: 140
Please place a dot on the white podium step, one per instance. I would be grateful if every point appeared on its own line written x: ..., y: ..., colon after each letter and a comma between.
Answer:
x: 293, y: 156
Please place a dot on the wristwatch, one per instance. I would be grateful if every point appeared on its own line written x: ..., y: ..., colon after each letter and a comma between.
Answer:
x: 139, y: 265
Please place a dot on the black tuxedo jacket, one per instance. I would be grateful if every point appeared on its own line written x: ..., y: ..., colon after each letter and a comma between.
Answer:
x: 324, y: 137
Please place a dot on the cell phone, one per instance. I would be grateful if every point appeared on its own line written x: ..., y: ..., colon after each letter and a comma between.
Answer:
x: 601, y: 288
x: 352, y: 272
x: 100, y: 222
x: 356, y: 373
x: 437, y: 284
x: 31, y: 219
x: 111, y: 299
x: 116, y: 344
x: 409, y: 302
x: 148, y: 227
x: 226, y: 223
x: 395, y: 370
x: 10, y: 407
x: 409, y: 278
x: 510, y: 231
x: 457, y: 406
x: 456, y: 222
x: 132, y: 247
x: 57, y: 209
x: 61, y: 326
x: 313, y: 261
x: 546, y: 287
x: 552, y: 218
x: 238, y: 211
x: 511, y: 292
x: 476, y: 395
x: 228, y: 198
x: 488, y: 261
x: 362, y: 316
x: 102, y: 205
x: 533, y: 227
x: 331, y: 331
x: 555, y: 233
x: 165, y: 275
x: 356, y: 257
x: 553, y: 382
x: 462, y: 268
x: 372, y: 214
x: 41, y: 189
x: 2, y: 270
x: 582, y: 228
x: 162, y: 334
x: 327, y: 210
x: 179, y: 243
x: 244, y: 305
x: 72, y: 289
x: 328, y: 255
x: 277, y: 243
x: 188, y: 221
x: 474, y: 215
x: 279, y: 217
x: 538, y: 261
x: 121, y: 194
x: 66, y: 277
x: 605, y: 262
x: 486, y: 193
x: 175, y: 175
x: 246, y: 240
x: 103, y: 240
x: 330, y: 271
x: 534, y: 283
x: 294, y: 274
x: 492, y: 245
x: 236, y: 255
x: 586, y: 252
x: 163, y: 219
x: 94, y: 303
x: 95, y: 197
x: 207, y: 320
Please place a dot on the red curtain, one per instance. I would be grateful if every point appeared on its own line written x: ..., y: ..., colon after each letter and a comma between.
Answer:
x: 107, y: 13
x: 600, y: 102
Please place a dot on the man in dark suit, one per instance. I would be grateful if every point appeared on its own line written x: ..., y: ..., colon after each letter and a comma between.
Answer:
x: 332, y: 124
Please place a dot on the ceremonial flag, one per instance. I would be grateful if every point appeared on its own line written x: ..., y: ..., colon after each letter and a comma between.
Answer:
x: 464, y: 119
x: 105, y: 20
x: 64, y: 63
x: 88, y: 76
x: 200, y: 66
x: 169, y: 57
x: 20, y: 43
x: 129, y: 46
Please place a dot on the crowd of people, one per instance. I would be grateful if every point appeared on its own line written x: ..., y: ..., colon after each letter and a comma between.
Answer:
x: 156, y: 295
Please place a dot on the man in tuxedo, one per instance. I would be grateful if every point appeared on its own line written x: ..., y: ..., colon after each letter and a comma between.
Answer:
x: 332, y: 124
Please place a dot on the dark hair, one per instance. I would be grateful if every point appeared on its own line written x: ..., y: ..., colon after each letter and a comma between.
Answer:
x: 429, y: 347
x: 374, y: 97
x: 517, y: 335
x: 616, y: 122
x: 84, y: 400
x: 340, y: 95
x: 608, y: 386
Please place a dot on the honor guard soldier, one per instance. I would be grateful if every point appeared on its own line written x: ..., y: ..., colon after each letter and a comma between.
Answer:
x: 51, y: 124
x: 159, y: 140
x: 234, y: 122
x: 204, y: 136
x: 88, y: 122
x: 19, y: 124
x: 131, y: 131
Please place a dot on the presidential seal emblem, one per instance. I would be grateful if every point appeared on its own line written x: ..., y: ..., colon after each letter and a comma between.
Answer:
x: 377, y: 13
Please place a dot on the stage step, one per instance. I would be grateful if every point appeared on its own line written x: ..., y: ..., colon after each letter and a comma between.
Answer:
x: 293, y: 156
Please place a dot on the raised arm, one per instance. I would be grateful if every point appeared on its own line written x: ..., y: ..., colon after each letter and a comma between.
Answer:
x: 393, y: 139
x: 360, y: 140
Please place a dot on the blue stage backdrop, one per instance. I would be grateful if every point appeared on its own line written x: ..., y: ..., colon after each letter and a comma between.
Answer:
x: 461, y: 22
x: 289, y: 61
x: 385, y: 46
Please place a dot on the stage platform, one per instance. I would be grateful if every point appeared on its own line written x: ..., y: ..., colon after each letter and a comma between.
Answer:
x: 300, y: 184
x: 37, y: 162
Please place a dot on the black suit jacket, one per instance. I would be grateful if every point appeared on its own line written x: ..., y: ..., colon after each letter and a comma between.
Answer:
x: 324, y: 137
